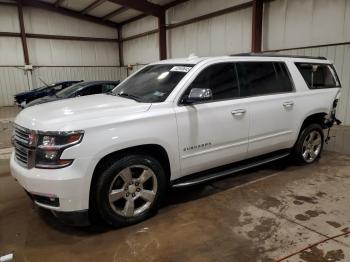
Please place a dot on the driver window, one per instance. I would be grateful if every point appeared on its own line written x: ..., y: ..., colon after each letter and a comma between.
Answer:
x: 220, y: 78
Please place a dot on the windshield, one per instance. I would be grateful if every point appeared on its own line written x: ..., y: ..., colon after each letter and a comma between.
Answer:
x: 153, y: 83
x: 67, y: 92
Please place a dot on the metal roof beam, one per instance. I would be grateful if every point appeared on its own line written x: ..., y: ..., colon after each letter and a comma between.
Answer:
x: 68, y: 12
x: 92, y: 6
x: 142, y: 6
x: 174, y: 3
x: 58, y: 3
x: 115, y: 12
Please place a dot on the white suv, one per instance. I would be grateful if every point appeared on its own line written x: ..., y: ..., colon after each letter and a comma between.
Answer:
x: 173, y: 123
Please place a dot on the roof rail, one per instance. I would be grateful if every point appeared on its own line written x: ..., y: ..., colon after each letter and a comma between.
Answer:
x: 279, y: 55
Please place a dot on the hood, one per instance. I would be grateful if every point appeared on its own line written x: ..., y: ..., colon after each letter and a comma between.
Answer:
x: 42, y: 100
x: 26, y: 94
x: 79, y: 113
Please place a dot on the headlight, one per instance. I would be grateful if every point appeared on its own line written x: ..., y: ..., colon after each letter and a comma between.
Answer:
x: 50, y: 147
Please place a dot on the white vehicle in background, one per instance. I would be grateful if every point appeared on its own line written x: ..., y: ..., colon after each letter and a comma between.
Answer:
x: 174, y: 123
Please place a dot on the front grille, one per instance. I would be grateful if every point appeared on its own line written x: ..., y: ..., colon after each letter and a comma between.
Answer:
x: 24, y: 154
x: 22, y: 135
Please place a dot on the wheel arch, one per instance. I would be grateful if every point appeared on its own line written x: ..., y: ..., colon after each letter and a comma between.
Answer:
x: 317, y: 118
x: 154, y: 150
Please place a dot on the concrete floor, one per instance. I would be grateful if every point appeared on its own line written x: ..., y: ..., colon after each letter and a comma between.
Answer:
x: 261, y: 215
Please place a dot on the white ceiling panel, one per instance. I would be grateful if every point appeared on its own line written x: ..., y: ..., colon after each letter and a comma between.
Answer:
x: 76, y: 5
x: 104, y: 9
x: 125, y: 15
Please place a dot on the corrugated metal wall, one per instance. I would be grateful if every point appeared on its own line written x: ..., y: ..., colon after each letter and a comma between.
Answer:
x: 141, y: 50
x: 57, y: 59
x: 297, y: 23
x: 226, y: 34
x: 222, y: 35
x: 54, y: 74
x: 12, y: 81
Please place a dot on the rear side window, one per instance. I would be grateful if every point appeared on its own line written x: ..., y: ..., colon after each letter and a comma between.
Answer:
x: 318, y: 76
x: 220, y: 78
x: 263, y: 78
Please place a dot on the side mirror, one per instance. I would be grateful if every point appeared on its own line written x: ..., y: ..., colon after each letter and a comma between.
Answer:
x: 199, y: 95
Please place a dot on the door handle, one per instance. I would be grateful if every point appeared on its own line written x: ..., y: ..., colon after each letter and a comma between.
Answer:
x: 288, y: 104
x: 238, y: 112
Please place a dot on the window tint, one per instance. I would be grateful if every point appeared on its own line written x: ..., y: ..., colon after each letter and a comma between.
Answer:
x: 91, y: 90
x: 108, y: 87
x: 220, y: 78
x: 318, y: 75
x: 261, y: 78
x: 71, y: 90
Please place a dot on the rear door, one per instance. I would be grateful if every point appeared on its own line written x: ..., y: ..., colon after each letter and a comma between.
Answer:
x: 270, y: 96
x: 215, y: 132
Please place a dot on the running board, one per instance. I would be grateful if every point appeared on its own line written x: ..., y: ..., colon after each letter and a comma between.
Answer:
x: 191, y: 181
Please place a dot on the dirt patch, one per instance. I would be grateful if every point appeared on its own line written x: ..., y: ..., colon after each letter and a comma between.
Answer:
x: 269, y: 202
x: 302, y: 217
x: 264, y: 230
x: 320, y: 194
x: 314, y: 213
x: 334, y: 224
x: 315, y: 254
x: 309, y: 214
x: 297, y: 202
x: 310, y: 200
x: 346, y: 229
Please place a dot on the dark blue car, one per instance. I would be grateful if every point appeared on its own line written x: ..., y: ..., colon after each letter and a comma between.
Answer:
x: 80, y: 89
x: 21, y: 99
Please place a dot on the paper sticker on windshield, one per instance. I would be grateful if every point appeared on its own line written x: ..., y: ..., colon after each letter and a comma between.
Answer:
x: 183, y: 69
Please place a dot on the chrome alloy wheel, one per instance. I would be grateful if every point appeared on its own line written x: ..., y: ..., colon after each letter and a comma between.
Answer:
x: 312, y: 146
x: 133, y: 190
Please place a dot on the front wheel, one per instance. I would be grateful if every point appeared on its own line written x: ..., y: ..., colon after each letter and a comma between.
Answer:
x: 310, y: 144
x: 130, y: 190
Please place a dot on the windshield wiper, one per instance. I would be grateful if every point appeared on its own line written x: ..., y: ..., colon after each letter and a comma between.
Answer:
x: 126, y: 95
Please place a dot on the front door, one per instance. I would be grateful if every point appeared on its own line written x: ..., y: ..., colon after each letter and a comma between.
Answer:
x: 215, y: 132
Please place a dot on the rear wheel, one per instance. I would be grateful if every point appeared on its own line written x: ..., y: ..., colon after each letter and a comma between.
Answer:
x: 310, y: 144
x: 130, y: 190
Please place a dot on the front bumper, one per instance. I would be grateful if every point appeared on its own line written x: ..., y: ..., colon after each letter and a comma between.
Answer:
x: 68, y: 186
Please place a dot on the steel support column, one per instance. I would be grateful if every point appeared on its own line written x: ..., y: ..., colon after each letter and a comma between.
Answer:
x: 23, y: 32
x: 120, y: 46
x: 257, y: 25
x: 162, y: 36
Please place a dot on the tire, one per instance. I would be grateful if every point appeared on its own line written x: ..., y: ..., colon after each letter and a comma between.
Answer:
x: 130, y: 190
x: 309, y: 145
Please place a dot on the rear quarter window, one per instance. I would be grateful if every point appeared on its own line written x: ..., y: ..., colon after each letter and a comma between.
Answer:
x: 318, y: 76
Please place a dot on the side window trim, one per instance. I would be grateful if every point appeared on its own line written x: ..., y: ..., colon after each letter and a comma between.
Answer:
x: 289, y: 75
x: 180, y: 103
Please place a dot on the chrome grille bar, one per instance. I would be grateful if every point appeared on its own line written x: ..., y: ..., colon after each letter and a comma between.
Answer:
x: 24, y: 155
